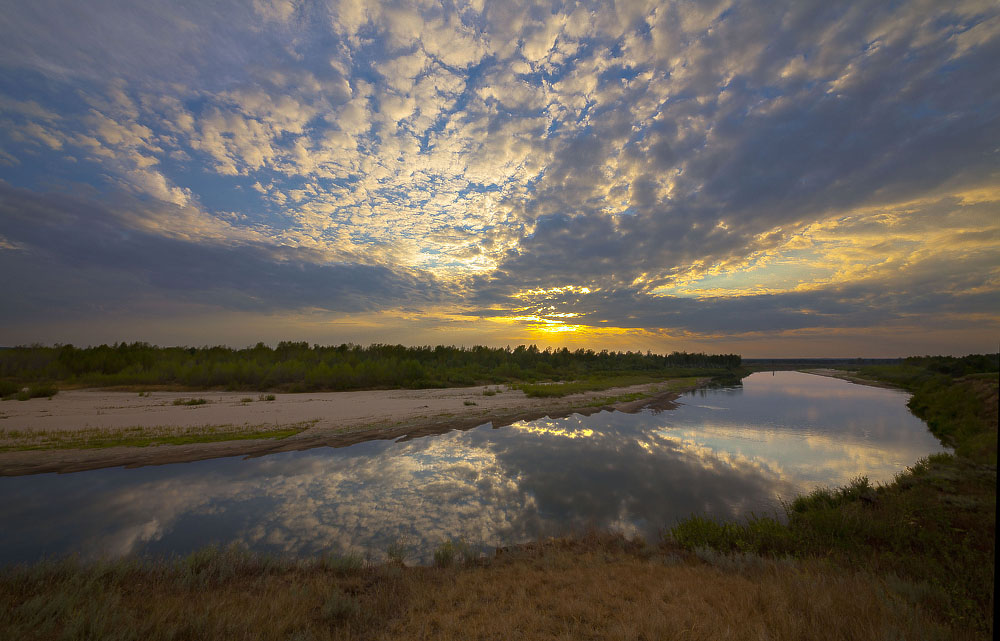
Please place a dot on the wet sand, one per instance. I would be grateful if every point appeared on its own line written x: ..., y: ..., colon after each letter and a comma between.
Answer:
x: 340, y: 419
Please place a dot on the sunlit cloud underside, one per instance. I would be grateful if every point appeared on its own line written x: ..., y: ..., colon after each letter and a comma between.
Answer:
x: 775, y: 179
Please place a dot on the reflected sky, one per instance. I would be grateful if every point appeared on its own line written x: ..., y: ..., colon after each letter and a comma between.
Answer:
x: 724, y: 452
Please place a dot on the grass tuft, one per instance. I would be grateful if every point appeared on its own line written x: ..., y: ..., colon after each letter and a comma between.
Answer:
x: 454, y: 552
x: 397, y: 552
x: 11, y: 391
x: 556, y: 390
x: 339, y: 607
x: 142, y: 436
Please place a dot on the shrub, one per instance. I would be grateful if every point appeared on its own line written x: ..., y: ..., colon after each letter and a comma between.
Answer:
x: 36, y: 391
x: 342, y: 565
x: 397, y: 552
x: 339, y: 607
x: 453, y: 552
x: 190, y: 401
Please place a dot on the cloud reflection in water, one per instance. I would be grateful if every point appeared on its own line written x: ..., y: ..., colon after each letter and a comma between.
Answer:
x: 724, y: 452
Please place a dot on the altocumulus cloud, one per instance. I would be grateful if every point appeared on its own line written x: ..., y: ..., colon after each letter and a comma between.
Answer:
x: 661, y: 170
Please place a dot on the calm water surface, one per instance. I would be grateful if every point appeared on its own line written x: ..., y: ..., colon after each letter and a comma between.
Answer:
x: 725, y: 452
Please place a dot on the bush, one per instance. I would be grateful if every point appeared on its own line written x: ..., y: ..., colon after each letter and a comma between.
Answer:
x: 339, y: 607
x: 36, y: 391
x: 190, y: 401
x: 453, y: 552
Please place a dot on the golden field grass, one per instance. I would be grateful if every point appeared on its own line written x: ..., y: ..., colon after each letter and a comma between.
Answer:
x: 598, y: 586
x: 588, y: 589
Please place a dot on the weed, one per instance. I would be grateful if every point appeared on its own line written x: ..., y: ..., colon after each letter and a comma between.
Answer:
x: 555, y: 390
x: 190, y: 401
x: 266, y: 397
x: 453, y: 552
x: 342, y: 565
x: 142, y: 436
x: 468, y: 403
x: 36, y: 391
x: 246, y: 399
x: 397, y: 552
x: 339, y: 607
x: 612, y: 400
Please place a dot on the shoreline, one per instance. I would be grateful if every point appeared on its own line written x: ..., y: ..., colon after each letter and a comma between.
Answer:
x: 344, y: 419
x: 850, y: 377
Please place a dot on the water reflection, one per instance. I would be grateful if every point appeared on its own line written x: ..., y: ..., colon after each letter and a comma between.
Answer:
x: 725, y: 452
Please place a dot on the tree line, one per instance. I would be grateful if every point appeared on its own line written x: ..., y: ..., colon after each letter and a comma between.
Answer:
x: 297, y: 366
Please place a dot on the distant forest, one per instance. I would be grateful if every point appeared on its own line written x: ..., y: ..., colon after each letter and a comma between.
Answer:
x: 299, y: 367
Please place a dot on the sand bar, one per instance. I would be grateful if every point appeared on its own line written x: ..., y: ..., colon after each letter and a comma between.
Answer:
x: 338, y: 419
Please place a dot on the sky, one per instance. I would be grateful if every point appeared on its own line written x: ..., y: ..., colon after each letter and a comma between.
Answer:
x: 774, y: 179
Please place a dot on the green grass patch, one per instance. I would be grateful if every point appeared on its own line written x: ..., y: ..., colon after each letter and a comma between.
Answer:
x: 10, y: 391
x: 454, y: 552
x: 140, y: 436
x: 190, y: 401
x: 613, y: 400
x: 558, y: 390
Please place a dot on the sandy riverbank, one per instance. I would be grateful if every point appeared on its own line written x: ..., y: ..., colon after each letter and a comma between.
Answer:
x: 848, y: 375
x: 338, y: 419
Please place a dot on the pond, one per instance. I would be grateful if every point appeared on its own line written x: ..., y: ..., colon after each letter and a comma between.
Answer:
x: 724, y: 452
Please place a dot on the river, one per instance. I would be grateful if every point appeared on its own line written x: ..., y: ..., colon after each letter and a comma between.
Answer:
x: 725, y: 452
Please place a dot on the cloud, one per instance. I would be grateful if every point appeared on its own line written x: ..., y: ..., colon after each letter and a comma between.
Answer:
x: 69, y: 247
x: 683, y: 158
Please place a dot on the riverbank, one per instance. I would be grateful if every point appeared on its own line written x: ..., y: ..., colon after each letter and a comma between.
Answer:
x: 593, y: 586
x: 929, y: 536
x: 850, y: 376
x: 44, y: 435
x: 910, y: 559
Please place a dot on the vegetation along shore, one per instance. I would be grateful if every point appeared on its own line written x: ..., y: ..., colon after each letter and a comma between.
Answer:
x: 197, y: 403
x: 911, y: 559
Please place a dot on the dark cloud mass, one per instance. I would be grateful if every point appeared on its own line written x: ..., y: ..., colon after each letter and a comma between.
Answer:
x: 61, y: 236
x: 658, y: 169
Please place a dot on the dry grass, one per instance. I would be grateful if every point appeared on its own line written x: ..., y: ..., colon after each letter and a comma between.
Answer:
x: 596, y: 587
x: 141, y: 436
x: 213, y: 594
x: 556, y: 390
x: 562, y: 592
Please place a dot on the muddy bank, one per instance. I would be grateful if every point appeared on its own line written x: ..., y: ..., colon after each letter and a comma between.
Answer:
x: 339, y: 419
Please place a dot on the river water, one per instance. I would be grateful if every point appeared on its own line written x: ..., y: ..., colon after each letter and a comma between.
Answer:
x: 724, y: 452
